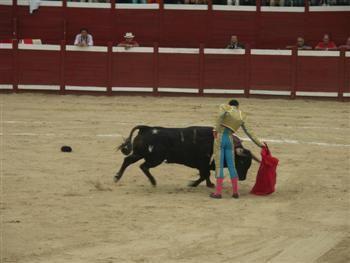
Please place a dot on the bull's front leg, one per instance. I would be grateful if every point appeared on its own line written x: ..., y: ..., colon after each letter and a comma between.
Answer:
x: 204, y: 174
x: 127, y: 161
x: 209, y: 183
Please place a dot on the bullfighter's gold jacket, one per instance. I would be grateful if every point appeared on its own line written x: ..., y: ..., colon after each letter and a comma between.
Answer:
x: 233, y: 118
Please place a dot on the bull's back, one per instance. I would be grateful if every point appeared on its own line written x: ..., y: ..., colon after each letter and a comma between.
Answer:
x: 191, y: 146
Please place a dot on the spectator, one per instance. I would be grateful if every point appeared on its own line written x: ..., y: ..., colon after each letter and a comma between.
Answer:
x: 129, y: 41
x: 195, y: 2
x: 276, y: 2
x: 234, y: 2
x: 329, y: 2
x: 326, y: 44
x: 347, y: 44
x: 283, y: 2
x: 343, y: 2
x: 86, y: 1
x: 139, y: 1
x: 220, y: 2
x: 300, y: 44
x: 173, y: 2
x: 294, y: 2
x: 247, y: 2
x: 234, y: 44
x: 83, y: 39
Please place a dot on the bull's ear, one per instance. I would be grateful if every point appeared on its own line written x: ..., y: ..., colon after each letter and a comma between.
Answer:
x: 118, y: 148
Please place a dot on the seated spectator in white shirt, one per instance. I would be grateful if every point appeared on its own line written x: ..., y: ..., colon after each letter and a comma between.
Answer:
x: 300, y: 44
x: 83, y: 39
x: 347, y: 45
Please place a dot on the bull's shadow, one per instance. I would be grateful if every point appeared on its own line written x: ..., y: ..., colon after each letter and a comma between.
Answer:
x: 191, y: 146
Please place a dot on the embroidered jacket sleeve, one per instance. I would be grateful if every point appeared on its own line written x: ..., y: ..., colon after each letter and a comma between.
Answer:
x: 251, y: 135
x: 224, y: 109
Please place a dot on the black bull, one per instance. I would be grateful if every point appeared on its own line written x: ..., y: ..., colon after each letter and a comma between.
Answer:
x: 192, y: 147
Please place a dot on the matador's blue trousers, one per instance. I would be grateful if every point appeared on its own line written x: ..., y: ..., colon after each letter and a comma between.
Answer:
x: 224, y: 152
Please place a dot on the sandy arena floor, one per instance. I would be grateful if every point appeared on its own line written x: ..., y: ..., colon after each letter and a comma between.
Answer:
x: 65, y: 207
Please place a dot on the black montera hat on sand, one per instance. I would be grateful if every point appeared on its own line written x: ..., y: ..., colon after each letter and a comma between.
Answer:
x: 66, y: 149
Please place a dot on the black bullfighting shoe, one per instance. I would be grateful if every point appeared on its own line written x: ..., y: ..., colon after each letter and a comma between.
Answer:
x: 215, y: 195
x: 235, y: 195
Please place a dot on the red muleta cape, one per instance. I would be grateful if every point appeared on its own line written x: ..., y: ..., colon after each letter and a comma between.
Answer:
x: 266, y: 177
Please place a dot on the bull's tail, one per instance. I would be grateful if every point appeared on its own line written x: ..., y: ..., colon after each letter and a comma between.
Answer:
x: 126, y: 146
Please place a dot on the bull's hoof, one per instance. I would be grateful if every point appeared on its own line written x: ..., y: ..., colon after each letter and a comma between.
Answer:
x: 153, y: 182
x: 211, y: 185
x: 116, y: 179
x: 193, y: 184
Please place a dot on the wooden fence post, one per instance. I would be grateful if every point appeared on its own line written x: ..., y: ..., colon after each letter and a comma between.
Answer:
x: 62, y: 67
x: 155, y: 68
x: 15, y: 73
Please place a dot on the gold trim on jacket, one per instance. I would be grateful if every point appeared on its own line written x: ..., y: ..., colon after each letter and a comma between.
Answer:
x: 233, y: 118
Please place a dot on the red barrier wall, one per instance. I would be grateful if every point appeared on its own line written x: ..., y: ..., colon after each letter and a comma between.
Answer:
x: 178, y: 70
x: 184, y: 28
x: 213, y: 71
x: 318, y: 74
x: 6, y: 66
x: 132, y: 70
x: 347, y: 75
x: 86, y: 68
x: 46, y: 24
x: 270, y: 72
x: 6, y: 22
x: 224, y: 72
x: 38, y: 67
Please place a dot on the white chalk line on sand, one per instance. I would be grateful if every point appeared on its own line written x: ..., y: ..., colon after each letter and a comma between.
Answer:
x: 116, y: 135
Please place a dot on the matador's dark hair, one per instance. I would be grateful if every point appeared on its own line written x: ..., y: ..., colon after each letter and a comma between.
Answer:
x: 234, y: 103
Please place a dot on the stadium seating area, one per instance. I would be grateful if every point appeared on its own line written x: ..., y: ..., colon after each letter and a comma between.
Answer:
x: 177, y: 26
x: 227, y: 2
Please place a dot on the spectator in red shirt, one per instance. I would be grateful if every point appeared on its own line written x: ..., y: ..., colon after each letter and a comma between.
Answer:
x: 326, y: 44
x: 347, y: 45
x: 129, y: 41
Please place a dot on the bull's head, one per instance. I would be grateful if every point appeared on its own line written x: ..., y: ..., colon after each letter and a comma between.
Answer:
x: 243, y: 162
x: 125, y: 147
